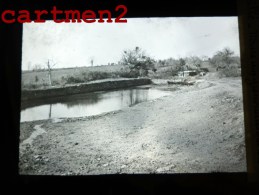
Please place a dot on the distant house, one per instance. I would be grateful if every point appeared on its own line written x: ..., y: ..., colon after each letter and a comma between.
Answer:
x: 187, y: 73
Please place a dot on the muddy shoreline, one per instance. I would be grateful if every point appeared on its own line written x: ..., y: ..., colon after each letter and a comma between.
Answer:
x: 197, y: 129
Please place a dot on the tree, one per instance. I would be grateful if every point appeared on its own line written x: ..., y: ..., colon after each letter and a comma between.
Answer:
x: 50, y: 67
x: 222, y: 59
x: 137, y: 61
x: 29, y: 65
x: 36, y: 79
x: 37, y: 67
x: 204, y: 58
x: 182, y: 64
x: 193, y: 62
x: 92, y: 60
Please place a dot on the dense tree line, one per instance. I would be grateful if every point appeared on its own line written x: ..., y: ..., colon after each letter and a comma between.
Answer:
x: 137, y: 63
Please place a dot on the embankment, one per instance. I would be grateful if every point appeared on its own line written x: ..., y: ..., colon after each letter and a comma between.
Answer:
x: 82, y: 88
x: 197, y: 129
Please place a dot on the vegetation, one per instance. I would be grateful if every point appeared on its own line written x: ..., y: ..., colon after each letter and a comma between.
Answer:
x: 61, y: 77
x: 171, y: 66
x: 226, y: 63
x: 89, y: 76
x: 134, y: 63
x: 137, y: 62
x: 36, y: 79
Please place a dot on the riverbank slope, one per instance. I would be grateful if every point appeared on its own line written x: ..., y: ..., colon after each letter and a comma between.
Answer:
x: 197, y: 129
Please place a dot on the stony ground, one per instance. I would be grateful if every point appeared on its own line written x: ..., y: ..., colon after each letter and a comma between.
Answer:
x: 196, y: 129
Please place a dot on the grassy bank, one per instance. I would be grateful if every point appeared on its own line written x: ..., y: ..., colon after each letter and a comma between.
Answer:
x: 61, y: 77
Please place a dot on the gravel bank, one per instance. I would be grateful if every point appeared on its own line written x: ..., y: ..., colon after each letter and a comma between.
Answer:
x: 197, y: 129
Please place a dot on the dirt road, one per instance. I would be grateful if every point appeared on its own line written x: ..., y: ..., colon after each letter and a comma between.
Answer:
x: 197, y: 129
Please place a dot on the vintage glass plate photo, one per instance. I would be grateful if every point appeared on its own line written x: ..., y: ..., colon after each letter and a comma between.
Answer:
x: 150, y: 96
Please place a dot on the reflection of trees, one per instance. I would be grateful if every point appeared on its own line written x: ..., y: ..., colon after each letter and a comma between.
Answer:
x: 127, y: 97
x: 33, y: 103
x: 72, y: 100
x: 137, y: 95
x: 89, y: 99
x: 122, y: 97
x: 131, y: 97
x: 141, y: 95
x: 50, y: 108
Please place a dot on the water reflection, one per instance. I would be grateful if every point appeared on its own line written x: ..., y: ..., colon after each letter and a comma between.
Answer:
x: 70, y: 100
x: 50, y: 106
x: 87, y: 104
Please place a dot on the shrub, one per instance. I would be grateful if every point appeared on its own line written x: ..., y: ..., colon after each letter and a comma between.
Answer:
x: 224, y: 59
x: 56, y: 83
x: 89, y: 76
x: 96, y: 75
x: 231, y: 72
x: 129, y: 74
x: 204, y: 69
x: 71, y: 79
x: 234, y: 72
x: 45, y: 85
x: 30, y: 86
x: 165, y: 72
x: 36, y: 79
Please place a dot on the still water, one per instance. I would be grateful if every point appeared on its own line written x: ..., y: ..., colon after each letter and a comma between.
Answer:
x: 88, y: 104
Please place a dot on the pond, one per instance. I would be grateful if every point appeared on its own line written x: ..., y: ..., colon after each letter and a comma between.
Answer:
x: 87, y: 104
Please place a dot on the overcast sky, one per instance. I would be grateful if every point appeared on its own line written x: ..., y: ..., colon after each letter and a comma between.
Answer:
x: 75, y: 44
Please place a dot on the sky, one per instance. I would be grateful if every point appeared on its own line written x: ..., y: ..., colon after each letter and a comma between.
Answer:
x: 76, y: 44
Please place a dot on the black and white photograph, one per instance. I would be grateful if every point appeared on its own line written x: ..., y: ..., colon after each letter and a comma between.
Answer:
x: 150, y: 96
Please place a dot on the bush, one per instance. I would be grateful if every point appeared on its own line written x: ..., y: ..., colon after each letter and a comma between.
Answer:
x: 98, y: 75
x: 129, y: 74
x: 231, y: 72
x: 55, y: 82
x: 126, y: 72
x: 30, y: 86
x: 71, y: 79
x: 165, y: 72
x: 89, y: 76
x: 45, y: 85
x: 224, y: 59
x: 36, y: 78
x: 204, y: 69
